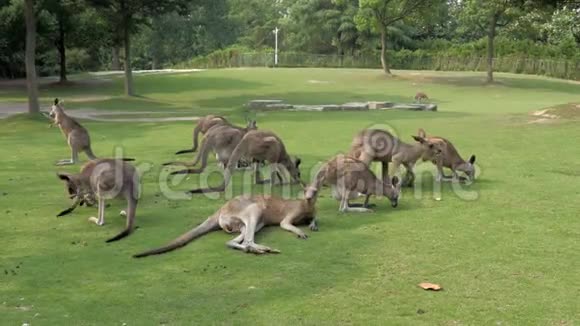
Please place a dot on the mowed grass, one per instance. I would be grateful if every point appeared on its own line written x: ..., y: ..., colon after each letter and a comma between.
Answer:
x: 508, y: 255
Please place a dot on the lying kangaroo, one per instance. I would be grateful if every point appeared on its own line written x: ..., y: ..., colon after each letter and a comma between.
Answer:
x: 247, y: 215
x: 380, y: 145
x: 450, y: 159
x: 349, y: 177
x: 259, y: 146
x: 222, y: 139
x: 203, y: 126
x: 104, y: 179
x: 420, y: 96
x: 76, y: 135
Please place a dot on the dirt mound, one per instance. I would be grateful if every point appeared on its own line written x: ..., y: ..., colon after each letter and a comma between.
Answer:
x: 562, y: 111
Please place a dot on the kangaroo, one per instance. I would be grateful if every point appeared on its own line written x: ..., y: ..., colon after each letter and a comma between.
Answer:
x: 104, y: 179
x: 408, y: 155
x: 450, y: 159
x: 348, y: 177
x: 259, y: 146
x: 203, y: 126
x: 247, y: 215
x: 380, y: 145
x: 76, y: 135
x: 421, y: 96
x: 222, y: 139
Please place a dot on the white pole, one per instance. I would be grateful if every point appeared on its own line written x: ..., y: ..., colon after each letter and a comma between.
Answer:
x: 275, y: 31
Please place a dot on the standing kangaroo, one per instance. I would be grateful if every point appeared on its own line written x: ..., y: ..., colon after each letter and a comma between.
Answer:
x: 247, y: 215
x: 203, y: 126
x: 76, y: 135
x: 348, y: 177
x: 259, y: 146
x: 450, y: 159
x: 222, y: 139
x: 381, y: 146
x: 104, y: 179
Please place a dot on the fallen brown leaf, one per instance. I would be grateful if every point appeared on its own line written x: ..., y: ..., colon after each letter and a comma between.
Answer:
x: 430, y: 286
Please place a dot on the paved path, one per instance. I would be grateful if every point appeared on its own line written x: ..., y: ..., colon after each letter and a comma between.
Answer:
x: 8, y: 109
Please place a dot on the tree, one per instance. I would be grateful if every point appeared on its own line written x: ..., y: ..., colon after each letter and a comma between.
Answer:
x: 380, y: 15
x: 125, y: 17
x: 31, y: 81
x: 65, y: 14
x: 487, y: 16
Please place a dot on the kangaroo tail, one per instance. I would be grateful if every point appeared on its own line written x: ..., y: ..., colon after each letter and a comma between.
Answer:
x: 131, y: 206
x: 209, y: 225
x: 317, y: 182
x: 196, y: 132
x: 89, y: 152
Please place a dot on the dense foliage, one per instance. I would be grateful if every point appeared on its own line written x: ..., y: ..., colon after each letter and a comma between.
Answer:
x: 81, y: 35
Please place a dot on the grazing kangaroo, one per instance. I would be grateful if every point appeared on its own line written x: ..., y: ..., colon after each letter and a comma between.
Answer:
x: 381, y: 146
x: 408, y: 155
x: 247, y: 215
x: 420, y: 96
x: 450, y: 159
x: 222, y: 139
x: 259, y: 146
x: 349, y: 177
x: 76, y: 135
x: 203, y: 126
x: 104, y: 179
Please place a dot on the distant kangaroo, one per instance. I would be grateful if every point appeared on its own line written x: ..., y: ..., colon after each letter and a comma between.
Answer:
x: 203, y: 125
x: 104, y: 179
x: 76, y: 135
x: 420, y: 96
x: 348, y: 177
x: 259, y: 146
x: 222, y: 139
x: 450, y: 159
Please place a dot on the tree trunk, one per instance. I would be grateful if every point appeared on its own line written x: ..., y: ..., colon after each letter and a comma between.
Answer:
x: 116, y: 63
x: 61, y: 50
x: 490, y: 47
x: 127, y: 45
x: 384, y: 59
x: 30, y: 57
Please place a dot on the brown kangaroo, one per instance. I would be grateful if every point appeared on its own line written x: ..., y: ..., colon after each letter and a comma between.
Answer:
x: 450, y: 159
x: 420, y: 96
x: 247, y: 215
x: 203, y: 126
x: 381, y: 146
x: 259, y: 146
x: 104, y: 179
x: 76, y: 135
x: 349, y: 177
x: 222, y: 139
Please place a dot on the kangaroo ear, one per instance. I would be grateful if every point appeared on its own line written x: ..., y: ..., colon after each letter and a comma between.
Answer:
x: 421, y: 133
x: 419, y: 139
x: 56, y: 101
x: 472, y: 159
x: 63, y: 176
x: 297, y: 162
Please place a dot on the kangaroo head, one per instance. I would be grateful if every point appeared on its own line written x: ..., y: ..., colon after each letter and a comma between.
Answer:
x: 393, y: 190
x: 293, y: 167
x: 431, y: 148
x: 56, y: 108
x: 76, y: 188
x: 468, y: 168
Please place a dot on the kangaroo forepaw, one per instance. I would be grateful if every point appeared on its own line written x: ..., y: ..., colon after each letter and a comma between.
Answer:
x: 303, y: 236
x: 313, y: 227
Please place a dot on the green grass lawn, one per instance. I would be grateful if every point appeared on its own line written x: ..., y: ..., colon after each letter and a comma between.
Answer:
x: 508, y: 257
